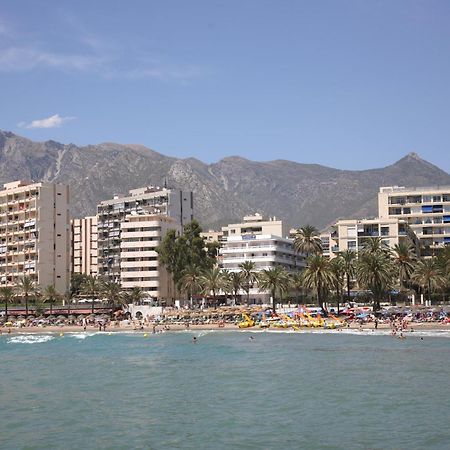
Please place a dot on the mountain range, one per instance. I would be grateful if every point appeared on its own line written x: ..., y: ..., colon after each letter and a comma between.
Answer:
x: 224, y: 191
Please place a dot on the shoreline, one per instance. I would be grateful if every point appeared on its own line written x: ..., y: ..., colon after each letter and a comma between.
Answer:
x: 427, y: 326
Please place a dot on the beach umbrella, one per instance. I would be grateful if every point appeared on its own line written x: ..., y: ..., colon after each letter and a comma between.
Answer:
x: 71, y: 317
x: 61, y: 317
x: 21, y: 317
x: 51, y: 317
x: 80, y: 317
x: 30, y: 317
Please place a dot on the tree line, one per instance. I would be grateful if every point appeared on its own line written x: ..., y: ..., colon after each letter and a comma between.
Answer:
x: 376, y: 269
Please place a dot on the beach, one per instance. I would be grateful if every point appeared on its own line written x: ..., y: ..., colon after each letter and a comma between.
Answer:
x: 416, y: 326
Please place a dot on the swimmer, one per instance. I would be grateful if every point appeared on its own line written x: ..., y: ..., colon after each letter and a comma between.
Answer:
x: 194, y: 339
x: 251, y: 338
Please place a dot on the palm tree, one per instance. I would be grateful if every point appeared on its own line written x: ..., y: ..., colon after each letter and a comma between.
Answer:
x: 307, y: 240
x: 375, y: 245
x: 212, y: 280
x: 297, y: 283
x: 404, y: 260
x: 7, y: 294
x: 249, y: 277
x: 135, y: 296
x: 51, y: 296
x: 428, y: 275
x: 349, y: 258
x: 113, y: 292
x: 26, y: 287
x: 443, y: 262
x: 318, y: 276
x: 337, y: 266
x: 190, y: 281
x: 91, y: 287
x: 234, y: 283
x: 374, y: 271
x: 68, y: 296
x: 273, y: 280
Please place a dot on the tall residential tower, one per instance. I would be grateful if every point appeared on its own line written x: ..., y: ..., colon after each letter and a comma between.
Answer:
x: 35, y: 234
x: 150, y: 200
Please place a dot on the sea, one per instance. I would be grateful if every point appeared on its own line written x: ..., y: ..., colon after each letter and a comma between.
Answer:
x: 225, y: 390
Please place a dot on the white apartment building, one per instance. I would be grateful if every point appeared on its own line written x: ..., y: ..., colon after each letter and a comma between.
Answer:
x: 173, y: 203
x: 35, y: 234
x: 139, y: 266
x: 352, y: 234
x: 260, y: 241
x: 425, y: 209
x: 84, y: 245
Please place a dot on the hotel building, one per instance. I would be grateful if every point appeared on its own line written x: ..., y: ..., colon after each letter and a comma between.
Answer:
x: 84, y: 246
x: 260, y: 241
x: 150, y: 200
x: 35, y: 234
x: 351, y: 234
x: 139, y: 266
x: 426, y: 210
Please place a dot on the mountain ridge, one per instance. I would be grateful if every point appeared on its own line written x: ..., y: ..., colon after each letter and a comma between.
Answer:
x: 224, y: 191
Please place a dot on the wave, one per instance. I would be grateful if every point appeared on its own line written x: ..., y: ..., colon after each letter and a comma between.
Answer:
x: 82, y: 335
x: 30, y: 339
x: 354, y: 332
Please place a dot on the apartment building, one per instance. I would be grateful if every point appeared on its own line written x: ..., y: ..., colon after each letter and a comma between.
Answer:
x: 149, y: 200
x: 84, y: 245
x: 139, y: 266
x: 425, y: 209
x: 35, y: 234
x: 351, y: 234
x: 260, y: 241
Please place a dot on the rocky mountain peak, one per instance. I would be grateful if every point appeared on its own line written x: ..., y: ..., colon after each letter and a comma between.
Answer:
x: 224, y: 191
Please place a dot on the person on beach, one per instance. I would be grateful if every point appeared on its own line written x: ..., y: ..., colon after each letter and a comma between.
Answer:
x: 84, y: 323
x: 376, y: 323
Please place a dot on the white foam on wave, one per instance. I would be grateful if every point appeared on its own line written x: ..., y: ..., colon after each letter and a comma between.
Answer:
x: 30, y: 339
x: 81, y: 336
x: 350, y: 331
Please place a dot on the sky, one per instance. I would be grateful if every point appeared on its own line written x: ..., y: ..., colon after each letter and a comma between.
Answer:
x: 345, y: 83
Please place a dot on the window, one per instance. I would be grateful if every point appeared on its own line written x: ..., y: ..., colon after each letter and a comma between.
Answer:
x: 351, y: 245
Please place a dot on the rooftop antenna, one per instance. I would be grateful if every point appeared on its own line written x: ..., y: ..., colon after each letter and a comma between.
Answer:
x: 165, y: 182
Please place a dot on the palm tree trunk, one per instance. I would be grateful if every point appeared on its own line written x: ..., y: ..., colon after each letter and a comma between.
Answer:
x: 26, y: 304
x: 92, y: 305
x: 274, y: 301
x: 338, y: 294
x: 348, y: 287
x: 51, y: 308
x: 6, y: 310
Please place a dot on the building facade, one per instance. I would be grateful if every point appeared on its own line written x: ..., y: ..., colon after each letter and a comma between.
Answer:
x: 426, y: 210
x: 260, y: 241
x: 84, y: 246
x: 35, y: 234
x: 139, y: 266
x: 150, y: 200
x: 352, y: 234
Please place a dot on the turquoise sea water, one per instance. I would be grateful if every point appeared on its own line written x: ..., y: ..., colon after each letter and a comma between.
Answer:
x: 277, y: 391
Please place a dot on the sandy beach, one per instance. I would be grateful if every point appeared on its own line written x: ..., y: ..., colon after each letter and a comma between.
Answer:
x: 419, y: 326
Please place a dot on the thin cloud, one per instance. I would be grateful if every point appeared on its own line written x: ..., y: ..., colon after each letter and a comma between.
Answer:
x: 24, y: 59
x: 54, y: 121
x: 95, y: 57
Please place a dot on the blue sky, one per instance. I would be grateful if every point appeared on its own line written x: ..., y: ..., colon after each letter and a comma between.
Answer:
x: 348, y: 84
